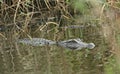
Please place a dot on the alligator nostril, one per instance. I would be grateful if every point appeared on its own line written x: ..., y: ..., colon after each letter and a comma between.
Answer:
x: 90, y: 45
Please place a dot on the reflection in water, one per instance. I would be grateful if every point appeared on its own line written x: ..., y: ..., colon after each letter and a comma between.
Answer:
x: 45, y: 54
x: 75, y: 44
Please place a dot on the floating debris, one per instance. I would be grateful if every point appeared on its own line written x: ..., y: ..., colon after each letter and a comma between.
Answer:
x: 75, y: 26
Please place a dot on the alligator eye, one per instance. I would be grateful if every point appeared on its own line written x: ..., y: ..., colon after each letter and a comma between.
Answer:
x: 47, y: 42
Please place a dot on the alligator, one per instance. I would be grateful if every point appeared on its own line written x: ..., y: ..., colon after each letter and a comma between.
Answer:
x: 74, y: 44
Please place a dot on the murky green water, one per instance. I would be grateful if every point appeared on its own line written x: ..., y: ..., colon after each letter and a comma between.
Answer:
x: 19, y: 58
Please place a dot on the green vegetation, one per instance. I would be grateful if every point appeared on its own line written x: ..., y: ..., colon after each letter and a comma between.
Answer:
x: 97, y: 21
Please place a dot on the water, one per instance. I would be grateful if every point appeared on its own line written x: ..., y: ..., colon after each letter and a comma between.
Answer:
x: 51, y: 59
